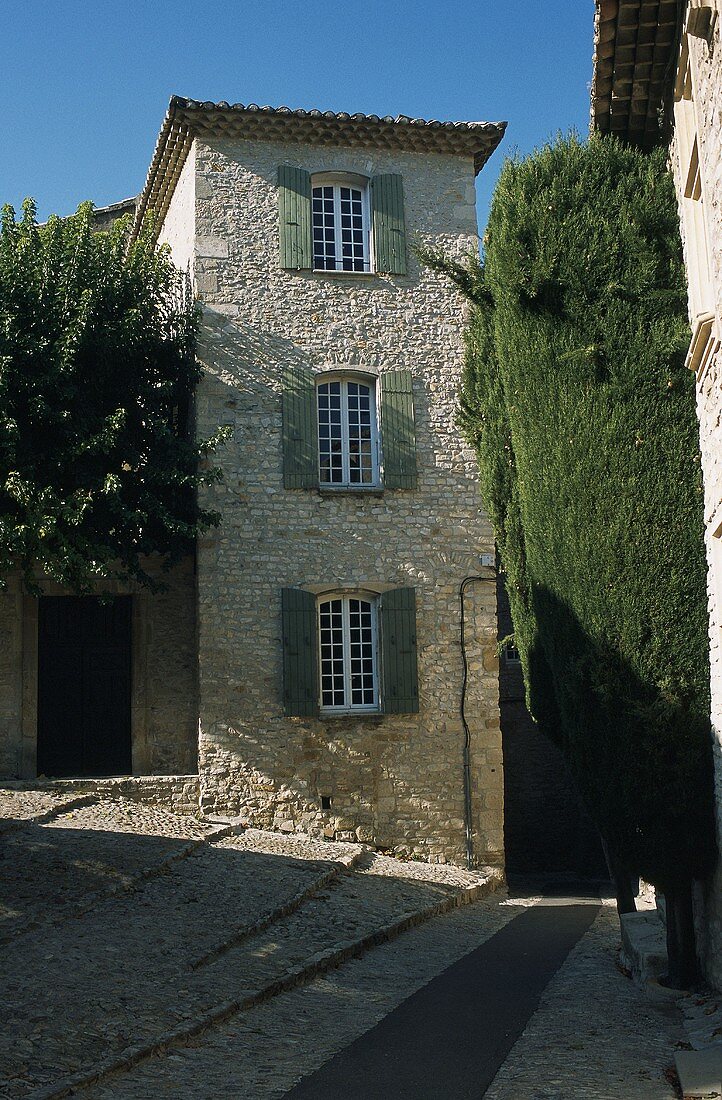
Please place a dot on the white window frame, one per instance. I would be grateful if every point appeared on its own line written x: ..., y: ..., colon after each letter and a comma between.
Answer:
x: 372, y: 383
x: 337, y: 180
x: 346, y: 596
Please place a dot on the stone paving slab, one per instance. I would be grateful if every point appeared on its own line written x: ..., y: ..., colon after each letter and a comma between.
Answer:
x: 700, y: 1073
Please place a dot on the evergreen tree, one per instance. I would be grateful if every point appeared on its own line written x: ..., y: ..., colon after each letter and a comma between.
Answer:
x: 581, y: 411
x: 98, y: 468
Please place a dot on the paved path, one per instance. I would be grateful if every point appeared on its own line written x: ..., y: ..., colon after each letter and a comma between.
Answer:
x: 450, y: 1039
x: 147, y: 955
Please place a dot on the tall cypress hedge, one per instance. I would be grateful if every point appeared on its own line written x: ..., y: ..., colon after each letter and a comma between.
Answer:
x: 581, y: 410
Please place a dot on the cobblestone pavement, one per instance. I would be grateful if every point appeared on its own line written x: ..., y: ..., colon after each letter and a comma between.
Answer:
x: 124, y: 922
x: 111, y: 909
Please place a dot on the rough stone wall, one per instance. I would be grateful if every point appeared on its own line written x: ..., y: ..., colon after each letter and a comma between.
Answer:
x: 177, y: 793
x: 11, y: 624
x: 164, y: 704
x: 168, y: 695
x: 707, y: 75
x: 396, y: 780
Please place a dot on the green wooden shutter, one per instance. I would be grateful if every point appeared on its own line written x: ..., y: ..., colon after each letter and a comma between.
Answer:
x: 294, y: 217
x: 300, y: 686
x: 398, y: 433
x: 300, y: 432
x: 387, y: 218
x: 400, y: 684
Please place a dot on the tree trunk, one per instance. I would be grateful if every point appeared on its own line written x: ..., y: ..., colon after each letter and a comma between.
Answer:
x: 622, y: 881
x: 681, y: 940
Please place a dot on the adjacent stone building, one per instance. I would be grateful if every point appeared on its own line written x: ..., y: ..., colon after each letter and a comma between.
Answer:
x: 336, y: 691
x: 658, y: 79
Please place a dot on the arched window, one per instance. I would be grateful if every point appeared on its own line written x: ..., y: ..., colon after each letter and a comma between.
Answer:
x: 340, y: 223
x: 348, y: 653
x: 347, y: 432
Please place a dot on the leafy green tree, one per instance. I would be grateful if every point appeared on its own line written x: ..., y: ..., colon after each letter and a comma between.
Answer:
x: 581, y: 411
x: 98, y: 467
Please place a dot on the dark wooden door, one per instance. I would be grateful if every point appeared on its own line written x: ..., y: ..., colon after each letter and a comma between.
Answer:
x: 84, y: 686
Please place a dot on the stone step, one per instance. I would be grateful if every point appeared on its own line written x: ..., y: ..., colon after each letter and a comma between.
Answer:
x: 269, y: 965
x: 120, y: 978
x: 82, y: 850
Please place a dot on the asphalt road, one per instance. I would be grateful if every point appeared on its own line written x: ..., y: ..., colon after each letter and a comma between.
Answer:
x: 448, y: 1040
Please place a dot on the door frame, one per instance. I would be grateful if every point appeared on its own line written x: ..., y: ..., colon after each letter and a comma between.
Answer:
x: 140, y: 749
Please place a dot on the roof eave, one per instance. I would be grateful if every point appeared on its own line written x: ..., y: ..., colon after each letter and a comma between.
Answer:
x: 635, y: 47
x: 186, y: 119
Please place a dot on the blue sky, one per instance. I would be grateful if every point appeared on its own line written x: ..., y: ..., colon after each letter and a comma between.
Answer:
x: 84, y: 86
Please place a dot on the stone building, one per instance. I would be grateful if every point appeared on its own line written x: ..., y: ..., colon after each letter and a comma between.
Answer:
x: 330, y: 682
x: 658, y: 79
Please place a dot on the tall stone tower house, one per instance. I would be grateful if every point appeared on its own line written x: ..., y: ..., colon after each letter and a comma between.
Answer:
x: 346, y: 674
x: 331, y: 673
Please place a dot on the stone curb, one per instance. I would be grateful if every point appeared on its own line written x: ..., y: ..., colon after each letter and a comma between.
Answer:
x: 313, y: 967
x: 11, y: 825
x: 89, y: 901
x: 280, y: 911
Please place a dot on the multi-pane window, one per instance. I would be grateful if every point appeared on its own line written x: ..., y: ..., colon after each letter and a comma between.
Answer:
x: 340, y: 228
x: 348, y: 654
x: 347, y: 433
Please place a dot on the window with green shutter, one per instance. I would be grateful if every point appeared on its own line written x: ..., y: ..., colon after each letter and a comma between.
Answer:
x: 324, y: 225
x: 294, y: 217
x: 300, y: 432
x: 400, y: 685
x: 398, y: 431
x: 349, y: 653
x: 300, y: 676
x: 331, y: 435
x: 340, y: 223
x: 388, y: 224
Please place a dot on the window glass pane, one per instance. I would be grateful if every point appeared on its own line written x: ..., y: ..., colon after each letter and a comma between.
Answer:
x: 347, y: 653
x: 330, y: 441
x: 340, y: 237
x: 324, y: 233
x: 332, y: 662
x: 362, y: 656
x: 359, y: 434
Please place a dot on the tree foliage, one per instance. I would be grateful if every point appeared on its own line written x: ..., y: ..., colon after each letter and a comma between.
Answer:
x: 97, y: 373
x: 581, y: 411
